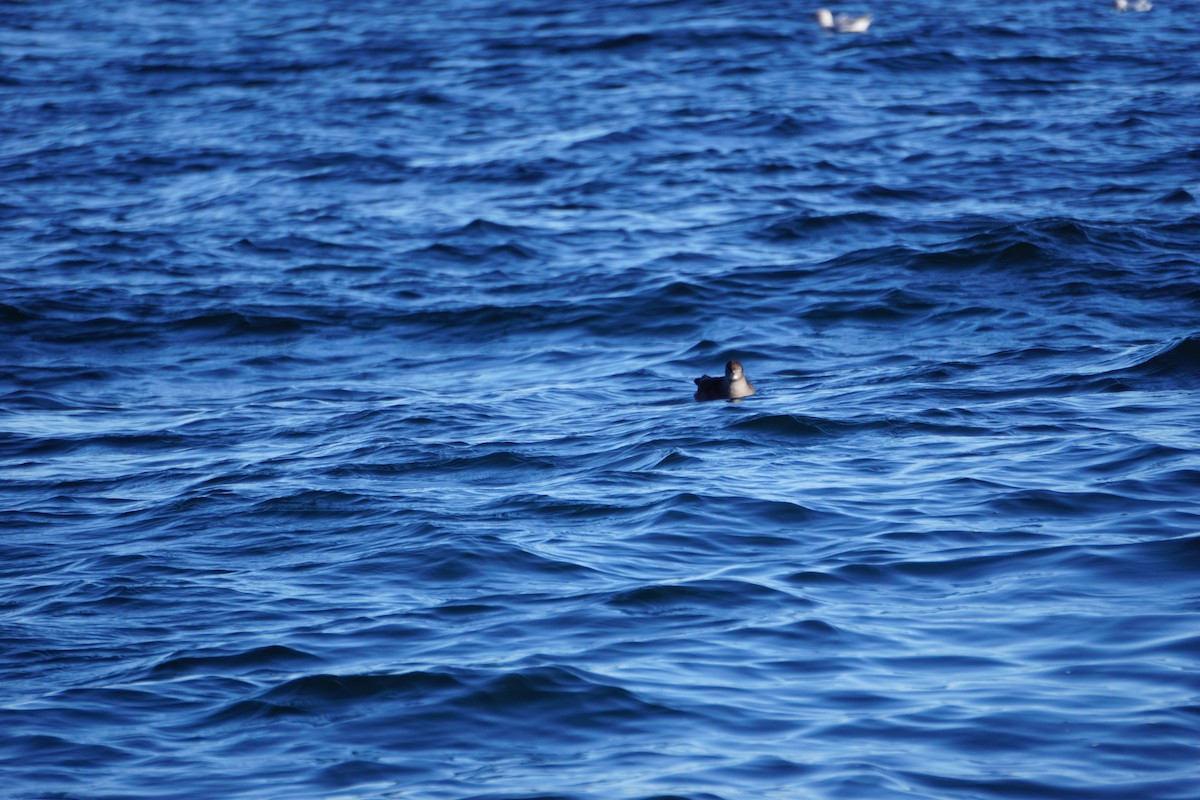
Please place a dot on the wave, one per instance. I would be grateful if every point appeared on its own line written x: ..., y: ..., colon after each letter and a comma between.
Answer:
x: 273, y: 658
x: 1175, y: 364
x: 804, y: 224
x: 641, y: 39
x: 347, y: 418
x: 41, y: 750
x: 336, y: 166
x: 475, y: 254
x: 435, y: 709
x: 325, y: 692
x: 80, y: 318
x: 703, y: 598
x: 418, y: 96
x: 931, y: 60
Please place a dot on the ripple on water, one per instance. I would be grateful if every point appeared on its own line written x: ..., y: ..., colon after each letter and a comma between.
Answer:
x: 347, y: 421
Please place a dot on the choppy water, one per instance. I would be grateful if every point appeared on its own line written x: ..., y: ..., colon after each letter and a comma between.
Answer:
x: 348, y: 441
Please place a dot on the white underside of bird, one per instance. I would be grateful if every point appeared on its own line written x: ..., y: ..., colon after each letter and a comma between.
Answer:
x: 844, y: 23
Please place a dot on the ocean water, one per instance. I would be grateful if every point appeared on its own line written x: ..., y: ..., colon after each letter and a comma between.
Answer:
x: 347, y: 439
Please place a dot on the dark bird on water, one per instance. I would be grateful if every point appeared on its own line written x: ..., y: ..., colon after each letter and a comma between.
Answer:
x: 730, y: 387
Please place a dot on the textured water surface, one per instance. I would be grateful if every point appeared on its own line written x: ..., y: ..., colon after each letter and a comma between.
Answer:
x: 348, y: 447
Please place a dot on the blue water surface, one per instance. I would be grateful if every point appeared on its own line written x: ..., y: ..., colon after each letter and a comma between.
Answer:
x: 347, y: 439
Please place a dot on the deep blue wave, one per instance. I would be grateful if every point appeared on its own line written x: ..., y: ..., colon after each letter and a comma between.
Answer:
x: 346, y: 417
